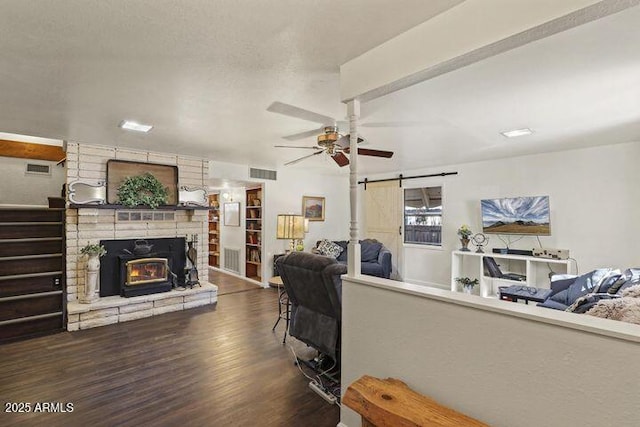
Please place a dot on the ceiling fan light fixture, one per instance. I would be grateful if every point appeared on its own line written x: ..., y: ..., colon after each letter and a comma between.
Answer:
x: 135, y: 126
x: 516, y: 133
x: 329, y: 136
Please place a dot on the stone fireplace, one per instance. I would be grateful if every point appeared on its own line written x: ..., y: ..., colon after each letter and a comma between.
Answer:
x: 95, y: 224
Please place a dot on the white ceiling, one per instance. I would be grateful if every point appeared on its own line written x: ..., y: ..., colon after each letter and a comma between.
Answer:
x: 575, y: 89
x: 204, y: 72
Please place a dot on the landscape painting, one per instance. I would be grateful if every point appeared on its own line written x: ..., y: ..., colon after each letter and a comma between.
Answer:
x: 313, y: 208
x: 518, y: 215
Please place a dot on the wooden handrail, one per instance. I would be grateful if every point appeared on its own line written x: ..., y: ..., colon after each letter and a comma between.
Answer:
x: 391, y: 403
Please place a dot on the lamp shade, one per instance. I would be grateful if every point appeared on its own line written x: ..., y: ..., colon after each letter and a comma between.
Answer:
x: 290, y: 227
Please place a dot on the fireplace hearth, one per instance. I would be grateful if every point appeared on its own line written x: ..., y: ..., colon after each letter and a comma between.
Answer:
x: 125, y: 273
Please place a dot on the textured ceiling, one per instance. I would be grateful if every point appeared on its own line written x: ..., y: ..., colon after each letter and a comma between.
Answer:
x: 575, y: 89
x: 202, y: 72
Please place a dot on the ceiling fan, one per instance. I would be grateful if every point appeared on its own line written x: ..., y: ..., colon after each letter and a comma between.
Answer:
x: 329, y: 141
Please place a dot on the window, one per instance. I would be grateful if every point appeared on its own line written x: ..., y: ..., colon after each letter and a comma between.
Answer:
x: 423, y: 216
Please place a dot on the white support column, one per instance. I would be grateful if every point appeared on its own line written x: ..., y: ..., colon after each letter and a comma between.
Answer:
x: 353, y: 260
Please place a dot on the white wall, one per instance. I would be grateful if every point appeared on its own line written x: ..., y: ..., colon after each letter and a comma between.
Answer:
x: 594, y: 200
x: 285, y: 196
x: 20, y: 188
x: 501, y: 363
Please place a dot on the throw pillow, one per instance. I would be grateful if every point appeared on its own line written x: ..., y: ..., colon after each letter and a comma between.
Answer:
x: 586, y: 283
x: 328, y: 248
x: 608, y: 283
x: 369, y: 250
x: 630, y: 277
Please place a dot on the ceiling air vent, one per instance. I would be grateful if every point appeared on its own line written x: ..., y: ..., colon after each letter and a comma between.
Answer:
x: 35, y: 169
x: 262, y: 174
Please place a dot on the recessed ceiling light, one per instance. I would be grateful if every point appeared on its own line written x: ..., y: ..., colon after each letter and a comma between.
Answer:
x: 517, y: 132
x: 129, y: 125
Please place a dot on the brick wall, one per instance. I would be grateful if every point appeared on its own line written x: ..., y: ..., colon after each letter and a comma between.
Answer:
x: 89, y: 163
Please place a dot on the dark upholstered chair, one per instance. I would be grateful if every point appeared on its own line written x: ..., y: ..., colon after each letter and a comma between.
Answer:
x: 314, y: 287
x: 375, y: 257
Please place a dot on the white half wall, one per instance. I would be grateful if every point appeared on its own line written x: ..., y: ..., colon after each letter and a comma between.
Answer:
x: 594, y: 200
x: 505, y: 364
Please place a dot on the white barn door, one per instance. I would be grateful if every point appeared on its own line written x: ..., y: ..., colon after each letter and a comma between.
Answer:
x: 383, y: 219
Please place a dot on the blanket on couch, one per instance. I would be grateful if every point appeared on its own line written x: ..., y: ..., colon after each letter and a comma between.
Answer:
x: 625, y: 309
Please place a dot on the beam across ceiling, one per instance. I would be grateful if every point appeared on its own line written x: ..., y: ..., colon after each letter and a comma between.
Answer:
x: 463, y: 35
x: 26, y: 150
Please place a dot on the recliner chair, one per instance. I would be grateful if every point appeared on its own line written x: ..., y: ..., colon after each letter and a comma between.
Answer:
x: 314, y: 287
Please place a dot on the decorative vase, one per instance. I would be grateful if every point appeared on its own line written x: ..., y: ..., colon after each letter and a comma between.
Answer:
x: 465, y: 243
x: 468, y: 289
x: 90, y: 293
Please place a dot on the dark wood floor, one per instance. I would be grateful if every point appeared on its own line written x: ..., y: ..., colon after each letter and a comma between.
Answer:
x: 210, y: 366
x: 228, y: 284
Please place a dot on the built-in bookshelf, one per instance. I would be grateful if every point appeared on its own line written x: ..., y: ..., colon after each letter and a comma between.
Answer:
x: 253, y: 234
x: 214, y: 230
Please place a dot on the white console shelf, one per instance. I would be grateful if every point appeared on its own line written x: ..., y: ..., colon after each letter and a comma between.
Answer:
x: 489, y: 285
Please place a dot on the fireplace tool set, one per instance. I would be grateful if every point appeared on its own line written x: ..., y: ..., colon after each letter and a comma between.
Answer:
x: 190, y: 270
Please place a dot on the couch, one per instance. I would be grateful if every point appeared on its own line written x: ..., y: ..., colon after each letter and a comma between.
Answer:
x: 375, y: 258
x: 593, y: 293
x: 314, y: 287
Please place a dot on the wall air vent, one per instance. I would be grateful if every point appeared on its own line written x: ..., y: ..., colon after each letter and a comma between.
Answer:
x: 35, y: 169
x: 262, y: 174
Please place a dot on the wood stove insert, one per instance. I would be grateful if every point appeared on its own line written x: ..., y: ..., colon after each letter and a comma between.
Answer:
x: 124, y: 273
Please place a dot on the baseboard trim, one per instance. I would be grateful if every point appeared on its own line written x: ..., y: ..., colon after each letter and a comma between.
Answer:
x: 341, y: 424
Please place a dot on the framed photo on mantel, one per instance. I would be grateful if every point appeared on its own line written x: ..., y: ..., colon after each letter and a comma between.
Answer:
x: 313, y: 208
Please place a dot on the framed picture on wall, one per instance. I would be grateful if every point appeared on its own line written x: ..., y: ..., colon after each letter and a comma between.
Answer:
x: 313, y: 208
x: 231, y: 214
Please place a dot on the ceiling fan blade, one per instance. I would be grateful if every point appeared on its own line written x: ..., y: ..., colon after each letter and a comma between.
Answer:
x: 375, y: 153
x: 345, y: 141
x: 369, y: 152
x: 304, y: 157
x: 293, y: 146
x: 300, y: 113
x: 306, y: 134
x: 340, y: 159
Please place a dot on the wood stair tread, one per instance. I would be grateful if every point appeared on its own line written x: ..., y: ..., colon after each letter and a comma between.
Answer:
x: 29, y: 275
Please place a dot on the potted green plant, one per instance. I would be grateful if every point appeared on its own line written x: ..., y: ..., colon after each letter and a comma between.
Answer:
x: 464, y: 232
x: 467, y: 283
x: 93, y: 251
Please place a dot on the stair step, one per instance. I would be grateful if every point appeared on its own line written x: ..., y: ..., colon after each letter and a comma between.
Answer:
x: 30, y: 275
x: 31, y: 240
x: 27, y: 257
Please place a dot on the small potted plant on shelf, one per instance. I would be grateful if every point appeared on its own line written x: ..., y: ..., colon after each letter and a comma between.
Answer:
x: 464, y: 232
x: 467, y: 283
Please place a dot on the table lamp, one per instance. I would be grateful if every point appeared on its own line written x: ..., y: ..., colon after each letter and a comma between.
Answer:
x: 290, y: 227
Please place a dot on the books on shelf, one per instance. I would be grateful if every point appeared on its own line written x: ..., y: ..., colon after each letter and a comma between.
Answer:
x: 253, y: 255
